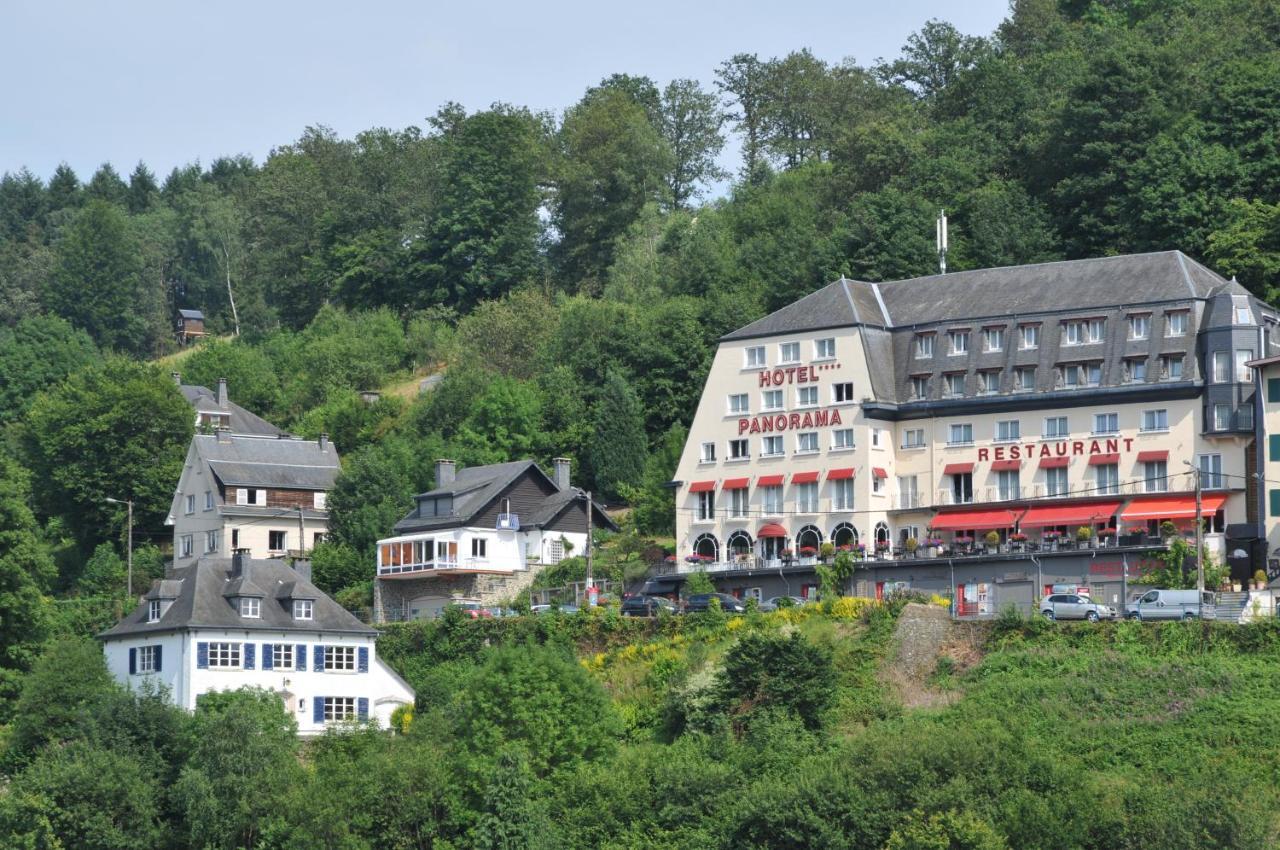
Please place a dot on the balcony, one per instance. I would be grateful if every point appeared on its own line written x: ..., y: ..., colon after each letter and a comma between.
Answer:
x: 907, y: 501
x: 508, y: 522
x: 1177, y: 483
x: 443, y: 566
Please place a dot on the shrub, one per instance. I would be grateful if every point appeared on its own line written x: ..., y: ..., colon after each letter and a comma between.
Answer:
x: 768, y: 671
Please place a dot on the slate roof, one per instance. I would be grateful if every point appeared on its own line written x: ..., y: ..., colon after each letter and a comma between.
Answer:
x: 191, y: 314
x: 284, y: 463
x: 474, y: 488
x: 205, y: 400
x: 202, y: 602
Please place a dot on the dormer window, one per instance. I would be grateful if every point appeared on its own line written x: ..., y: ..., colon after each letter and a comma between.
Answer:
x: 302, y: 609
x: 250, y: 607
x: 319, y: 500
x: 153, y: 611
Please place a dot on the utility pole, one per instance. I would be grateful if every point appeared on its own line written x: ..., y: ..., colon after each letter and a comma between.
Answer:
x: 590, y: 580
x: 128, y: 503
x: 302, y: 534
x: 1199, y: 542
x: 940, y: 237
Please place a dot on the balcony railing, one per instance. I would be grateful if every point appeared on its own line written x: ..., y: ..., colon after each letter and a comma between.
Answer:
x: 1179, y: 483
x: 426, y: 566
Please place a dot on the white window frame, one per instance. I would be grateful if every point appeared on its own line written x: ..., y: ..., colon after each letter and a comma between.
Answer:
x: 225, y: 655
x: 824, y: 348
x: 771, y: 499
x: 807, y: 443
x: 1140, y: 326
x: 1210, y: 466
x: 186, y: 545
x: 842, y: 495
x: 1106, y: 423
x: 284, y: 540
x: 189, y: 504
x: 480, y: 548
x: 1107, y: 479
x: 965, y: 431
x: 1029, y: 337
x: 1222, y: 417
x: 208, y: 500
x: 303, y: 609
x: 919, y: 386
x: 1011, y: 428
x: 924, y: 346
x: 1020, y: 376
x: 842, y: 439
x: 706, y: 510
x: 1095, y: 330
x: 1073, y: 333
x: 1159, y: 419
x: 1132, y: 366
x: 1061, y: 429
x: 807, y: 396
x: 320, y: 500
x: 1175, y: 323
x: 1009, y: 484
x: 1155, y: 476
x: 1092, y: 374
x: 842, y: 388
x: 771, y: 441
x: 989, y: 380
x: 739, y: 448
x: 993, y: 339
x: 754, y: 357
x: 1244, y: 374
x: 772, y: 400
x: 251, y: 607
x: 338, y: 709
x: 1167, y: 364
x: 1056, y: 482
x: 210, y: 541
x: 339, y: 659
x: 807, y: 497
x: 1221, y: 361
x: 154, y: 611
x: 708, y: 452
x: 907, y: 438
x: 146, y: 659
x: 738, y: 403
x: 282, y: 656
x: 739, y: 502
x: 788, y: 352
x: 953, y: 380
x: 957, y: 343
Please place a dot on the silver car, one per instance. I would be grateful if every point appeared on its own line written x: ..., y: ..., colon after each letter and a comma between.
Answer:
x: 773, y: 603
x: 1072, y: 606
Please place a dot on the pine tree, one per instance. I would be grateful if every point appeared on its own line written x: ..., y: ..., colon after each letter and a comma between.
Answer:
x: 619, y: 447
x: 106, y: 185
x: 64, y: 188
x: 142, y: 191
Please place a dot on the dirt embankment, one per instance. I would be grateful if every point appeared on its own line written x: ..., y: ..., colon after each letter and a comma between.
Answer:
x: 926, y: 642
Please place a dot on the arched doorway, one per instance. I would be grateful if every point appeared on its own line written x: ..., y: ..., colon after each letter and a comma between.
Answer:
x: 773, y: 540
x: 882, y: 536
x: 808, y: 541
x: 843, y: 535
x: 738, y: 545
x: 707, y: 547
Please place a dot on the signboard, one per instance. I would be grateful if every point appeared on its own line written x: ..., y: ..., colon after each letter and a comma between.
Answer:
x: 1061, y: 448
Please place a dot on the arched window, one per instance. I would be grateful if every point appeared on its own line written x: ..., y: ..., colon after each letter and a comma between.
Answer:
x: 809, y: 537
x: 882, y: 533
x: 739, y: 543
x: 844, y: 534
x: 707, y: 546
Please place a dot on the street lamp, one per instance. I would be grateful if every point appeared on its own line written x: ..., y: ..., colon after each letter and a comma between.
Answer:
x: 129, y: 545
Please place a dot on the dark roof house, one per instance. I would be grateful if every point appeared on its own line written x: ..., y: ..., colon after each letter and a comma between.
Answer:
x: 216, y: 410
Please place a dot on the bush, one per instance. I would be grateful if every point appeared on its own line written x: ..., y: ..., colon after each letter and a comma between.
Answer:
x: 768, y: 671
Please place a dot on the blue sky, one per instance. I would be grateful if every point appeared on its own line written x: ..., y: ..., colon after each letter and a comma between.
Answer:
x: 169, y: 82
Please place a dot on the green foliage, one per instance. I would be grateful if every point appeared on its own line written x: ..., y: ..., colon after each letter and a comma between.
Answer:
x: 764, y: 672
x: 698, y: 582
x: 119, y: 430
x: 25, y: 570
x: 618, y: 446
x: 104, y: 574
x: 58, y: 695
x: 36, y: 353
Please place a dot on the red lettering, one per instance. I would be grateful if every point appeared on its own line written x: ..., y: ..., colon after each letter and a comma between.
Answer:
x: 1128, y: 444
x: 1044, y: 450
x: 808, y: 421
x: 1077, y: 447
x: 835, y: 417
x: 767, y: 425
x: 822, y: 418
x: 1060, y: 449
x: 778, y: 375
x: 791, y: 374
x: 794, y: 421
x: 1095, y: 448
x: 743, y: 425
x: 802, y: 375
x: 764, y: 379
x: 755, y: 425
x: 1015, y: 452
x: 999, y: 452
x: 982, y: 454
x: 781, y: 422
x: 1113, y: 446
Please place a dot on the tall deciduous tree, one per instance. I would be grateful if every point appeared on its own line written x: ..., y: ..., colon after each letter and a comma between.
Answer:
x: 742, y: 81
x: 117, y: 430
x: 25, y: 571
x: 36, y: 353
x: 691, y: 122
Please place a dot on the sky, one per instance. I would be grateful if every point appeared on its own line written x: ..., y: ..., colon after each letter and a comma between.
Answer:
x: 169, y: 82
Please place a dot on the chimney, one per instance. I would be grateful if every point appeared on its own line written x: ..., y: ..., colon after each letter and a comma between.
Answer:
x: 239, y: 563
x: 223, y: 434
x: 445, y: 470
x: 222, y: 393
x: 302, y: 566
x: 324, y: 442
x: 177, y: 377
x: 561, y: 472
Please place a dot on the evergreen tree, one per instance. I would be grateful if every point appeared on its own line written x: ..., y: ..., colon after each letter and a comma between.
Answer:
x: 618, y: 448
x: 106, y: 185
x: 65, y: 190
x: 22, y: 203
x: 25, y: 571
x: 143, y: 191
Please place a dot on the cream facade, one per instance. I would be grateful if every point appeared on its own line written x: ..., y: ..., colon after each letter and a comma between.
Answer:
x: 1028, y: 401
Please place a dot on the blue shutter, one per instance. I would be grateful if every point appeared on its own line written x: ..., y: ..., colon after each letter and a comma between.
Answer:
x: 1275, y: 503
x: 156, y: 657
x: 249, y: 652
x: 362, y: 708
x: 133, y: 661
x: 1273, y: 390
x: 268, y: 662
x: 1273, y: 441
x: 202, y: 655
x: 363, y: 659
x: 300, y: 661
x: 318, y: 660
x: 317, y: 709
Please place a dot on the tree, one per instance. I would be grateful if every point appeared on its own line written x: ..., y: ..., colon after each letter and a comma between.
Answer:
x: 933, y: 59
x: 1247, y: 245
x: 952, y: 830
x: 613, y: 162
x: 537, y: 699
x: 652, y: 502
x: 769, y: 671
x: 22, y: 203
x: 105, y: 185
x: 242, y: 759
x: 35, y: 354
x: 143, y: 191
x: 795, y: 107
x: 741, y: 80
x: 98, y: 282
x: 65, y: 190
x: 25, y: 571
x: 58, y: 699
x: 251, y: 377
x: 118, y: 430
x: 373, y: 492
x: 698, y: 582
x: 104, y: 573
x: 691, y: 122
x: 619, y: 447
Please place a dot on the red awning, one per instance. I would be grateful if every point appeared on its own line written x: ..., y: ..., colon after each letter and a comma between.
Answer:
x: 769, y: 480
x: 804, y: 477
x: 735, y: 484
x: 702, y: 486
x: 772, y: 530
x: 1054, y: 462
x: 1076, y: 515
x: 1172, y: 507
x: 957, y: 468
x: 1103, y: 460
x: 1006, y: 465
x: 1147, y: 457
x: 841, y: 474
x: 977, y: 520
x: 879, y: 473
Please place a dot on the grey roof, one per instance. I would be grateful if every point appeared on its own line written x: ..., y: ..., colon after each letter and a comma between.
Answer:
x: 1006, y: 291
x: 202, y: 602
x: 242, y: 421
x: 474, y: 488
x: 284, y: 463
x: 164, y: 589
x: 191, y: 314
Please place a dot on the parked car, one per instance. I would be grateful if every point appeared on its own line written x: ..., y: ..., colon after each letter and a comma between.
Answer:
x: 548, y: 609
x: 702, y: 602
x: 1162, y: 604
x: 474, y: 610
x: 773, y: 603
x: 1073, y: 606
x: 642, y: 605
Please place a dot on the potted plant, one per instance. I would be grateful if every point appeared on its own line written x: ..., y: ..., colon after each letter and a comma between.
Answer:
x: 964, y: 541
x: 787, y: 554
x: 1051, y: 538
x: 1259, y: 580
x: 1105, y: 536
x: 1168, y: 531
x: 1083, y: 535
x: 1133, y: 535
x: 828, y: 551
x: 935, y: 545
x: 808, y: 553
x: 1019, y: 541
x: 911, y: 546
x: 882, y: 546
x: 992, y: 539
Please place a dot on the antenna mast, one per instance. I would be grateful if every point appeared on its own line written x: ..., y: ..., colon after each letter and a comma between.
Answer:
x: 941, y: 237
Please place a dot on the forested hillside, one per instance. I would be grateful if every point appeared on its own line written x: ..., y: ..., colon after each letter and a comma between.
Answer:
x: 570, y: 273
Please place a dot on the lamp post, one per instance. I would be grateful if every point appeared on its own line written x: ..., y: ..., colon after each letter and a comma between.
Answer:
x: 128, y: 503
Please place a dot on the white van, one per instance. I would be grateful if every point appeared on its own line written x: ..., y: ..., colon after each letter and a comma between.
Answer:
x: 1173, y: 605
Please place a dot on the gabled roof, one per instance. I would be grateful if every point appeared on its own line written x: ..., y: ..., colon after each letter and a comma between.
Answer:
x: 1005, y: 291
x: 191, y: 314
x: 203, y: 601
x: 242, y: 421
x: 284, y: 463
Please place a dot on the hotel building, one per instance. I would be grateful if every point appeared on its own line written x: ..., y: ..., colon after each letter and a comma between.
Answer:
x: 910, y: 418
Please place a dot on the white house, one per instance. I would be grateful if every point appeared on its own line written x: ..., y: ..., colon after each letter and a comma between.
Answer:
x: 226, y: 623
x: 480, y: 535
x: 264, y: 494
